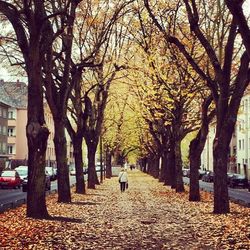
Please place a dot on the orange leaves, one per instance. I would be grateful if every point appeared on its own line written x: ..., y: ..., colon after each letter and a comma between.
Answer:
x: 147, y: 216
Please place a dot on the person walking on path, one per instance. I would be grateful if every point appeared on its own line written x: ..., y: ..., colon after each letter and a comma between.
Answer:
x: 123, y: 179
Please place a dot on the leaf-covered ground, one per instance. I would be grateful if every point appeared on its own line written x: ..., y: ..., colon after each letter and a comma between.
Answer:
x: 147, y: 216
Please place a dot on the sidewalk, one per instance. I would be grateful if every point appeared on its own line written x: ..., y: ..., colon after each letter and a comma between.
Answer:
x: 147, y: 216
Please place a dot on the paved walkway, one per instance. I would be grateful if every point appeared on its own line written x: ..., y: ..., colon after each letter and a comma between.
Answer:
x: 146, y: 216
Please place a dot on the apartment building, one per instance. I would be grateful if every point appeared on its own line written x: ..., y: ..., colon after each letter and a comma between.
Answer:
x: 239, y: 149
x: 3, y: 133
x: 15, y: 94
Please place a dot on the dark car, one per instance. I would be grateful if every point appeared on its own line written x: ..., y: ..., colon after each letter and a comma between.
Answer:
x: 208, y: 176
x: 229, y: 176
x: 10, y: 179
x: 47, y: 183
x: 201, y: 173
x: 238, y: 180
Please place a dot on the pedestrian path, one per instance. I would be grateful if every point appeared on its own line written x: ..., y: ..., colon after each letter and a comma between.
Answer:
x: 147, y: 215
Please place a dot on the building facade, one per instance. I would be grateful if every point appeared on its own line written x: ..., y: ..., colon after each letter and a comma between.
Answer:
x: 239, y: 149
x: 3, y: 134
x: 15, y: 94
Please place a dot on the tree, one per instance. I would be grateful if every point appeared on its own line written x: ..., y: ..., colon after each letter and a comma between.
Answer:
x: 196, y: 147
x: 236, y: 8
x: 227, y: 82
x: 56, y: 70
x: 30, y: 23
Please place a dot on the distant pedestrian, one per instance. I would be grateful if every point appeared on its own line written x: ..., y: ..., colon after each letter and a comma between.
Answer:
x: 123, y: 179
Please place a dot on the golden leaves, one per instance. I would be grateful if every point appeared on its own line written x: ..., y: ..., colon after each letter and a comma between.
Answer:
x: 104, y: 219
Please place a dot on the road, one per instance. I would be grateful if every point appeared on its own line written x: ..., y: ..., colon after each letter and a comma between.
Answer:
x: 238, y: 195
x: 10, y: 198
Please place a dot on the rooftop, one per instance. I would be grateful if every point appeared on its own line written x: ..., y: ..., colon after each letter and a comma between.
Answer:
x: 15, y: 94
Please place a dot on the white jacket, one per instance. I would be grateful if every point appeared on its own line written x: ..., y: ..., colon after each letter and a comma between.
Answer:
x: 123, y: 176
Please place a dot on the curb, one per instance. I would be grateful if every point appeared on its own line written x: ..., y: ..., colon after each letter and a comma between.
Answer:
x: 17, y: 203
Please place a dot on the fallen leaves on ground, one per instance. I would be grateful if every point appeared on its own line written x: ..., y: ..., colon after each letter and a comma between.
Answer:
x: 146, y: 216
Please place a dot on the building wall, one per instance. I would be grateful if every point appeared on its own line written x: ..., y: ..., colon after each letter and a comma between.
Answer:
x: 207, y: 154
x: 18, y: 141
x: 21, y: 140
x: 243, y: 137
x: 239, y: 150
x: 3, y: 135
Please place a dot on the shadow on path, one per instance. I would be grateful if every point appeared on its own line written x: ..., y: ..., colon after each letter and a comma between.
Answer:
x: 64, y: 219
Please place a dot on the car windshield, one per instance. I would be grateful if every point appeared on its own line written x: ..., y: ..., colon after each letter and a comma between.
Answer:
x: 49, y: 170
x: 8, y: 174
x: 238, y: 176
x: 22, y: 171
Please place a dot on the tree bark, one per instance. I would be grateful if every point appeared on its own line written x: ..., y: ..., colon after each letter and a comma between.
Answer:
x: 220, y: 154
x: 170, y: 179
x: 163, y: 171
x: 108, y: 164
x: 61, y: 159
x: 37, y: 135
x: 195, y: 162
x: 92, y: 176
x: 80, y: 183
x: 178, y: 167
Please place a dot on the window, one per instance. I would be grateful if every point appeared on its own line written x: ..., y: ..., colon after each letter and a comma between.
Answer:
x: 11, y: 132
x: 4, y: 148
x: 11, y: 115
x: 239, y: 144
x: 0, y: 111
x: 243, y: 144
x: 0, y: 129
x: 4, y: 130
x: 10, y: 150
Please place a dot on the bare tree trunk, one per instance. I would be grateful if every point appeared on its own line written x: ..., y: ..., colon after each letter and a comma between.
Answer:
x: 163, y: 171
x: 195, y: 161
x: 153, y: 166
x: 178, y: 167
x: 195, y: 149
x: 61, y: 158
x: 80, y: 184
x: 170, y: 166
x: 220, y: 154
x: 92, y: 176
x: 37, y: 135
x: 108, y: 164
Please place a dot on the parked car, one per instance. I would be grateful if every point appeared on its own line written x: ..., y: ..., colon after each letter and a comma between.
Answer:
x: 51, y: 172
x: 238, y: 180
x: 85, y: 170
x: 208, y: 176
x: 72, y: 171
x: 47, y: 183
x: 22, y: 171
x: 229, y: 176
x: 201, y: 173
x: 185, y: 172
x: 10, y: 179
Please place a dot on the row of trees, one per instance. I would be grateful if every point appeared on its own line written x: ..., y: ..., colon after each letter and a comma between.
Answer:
x: 209, y: 56
x: 68, y: 50
x: 183, y: 63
